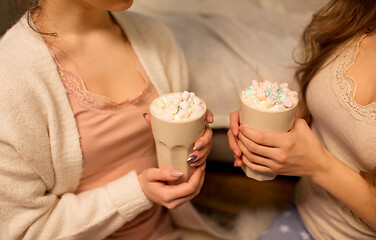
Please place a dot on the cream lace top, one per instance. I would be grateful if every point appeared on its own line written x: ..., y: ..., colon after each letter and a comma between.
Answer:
x: 345, y: 87
x: 347, y: 129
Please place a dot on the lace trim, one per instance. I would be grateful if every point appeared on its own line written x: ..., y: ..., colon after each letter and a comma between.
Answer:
x: 75, y: 88
x: 345, y: 86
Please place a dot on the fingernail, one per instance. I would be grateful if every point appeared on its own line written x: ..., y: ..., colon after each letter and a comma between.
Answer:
x: 177, y: 173
x: 211, y: 119
x: 237, y: 153
x: 192, y: 158
x: 234, y: 132
x: 203, y: 166
x: 197, y: 146
x: 144, y: 115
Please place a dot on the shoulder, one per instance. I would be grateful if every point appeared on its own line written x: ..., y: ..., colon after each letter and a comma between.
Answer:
x: 27, y: 70
x: 24, y: 57
x: 16, y: 51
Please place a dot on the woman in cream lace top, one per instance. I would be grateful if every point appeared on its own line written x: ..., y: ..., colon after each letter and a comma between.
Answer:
x: 335, y: 154
x: 77, y: 158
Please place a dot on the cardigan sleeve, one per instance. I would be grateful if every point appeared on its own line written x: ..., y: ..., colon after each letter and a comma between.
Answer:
x: 36, y: 202
x: 29, y: 211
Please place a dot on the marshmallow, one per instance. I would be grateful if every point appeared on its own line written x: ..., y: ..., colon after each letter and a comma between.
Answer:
x: 185, y: 95
x: 287, y: 102
x: 283, y: 85
x: 269, y: 96
x: 261, y: 96
x: 274, y: 87
x: 269, y: 102
x: 178, y: 106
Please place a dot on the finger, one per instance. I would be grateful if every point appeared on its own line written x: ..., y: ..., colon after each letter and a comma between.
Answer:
x: 201, y: 180
x: 255, y: 167
x: 204, y: 139
x: 255, y: 148
x: 184, y: 189
x: 209, y: 116
x: 200, y: 160
x: 261, y: 138
x: 175, y: 203
x: 254, y: 158
x: 147, y: 117
x: 201, y: 183
x: 238, y: 162
x: 233, y: 143
x: 234, y: 122
x: 196, y: 155
x: 162, y: 174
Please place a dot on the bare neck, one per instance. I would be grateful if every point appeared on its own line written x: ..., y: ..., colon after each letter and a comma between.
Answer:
x: 72, y: 18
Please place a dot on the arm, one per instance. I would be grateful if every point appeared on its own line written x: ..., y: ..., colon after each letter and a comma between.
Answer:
x: 300, y: 153
x: 352, y: 190
x: 34, y: 211
x: 37, y: 183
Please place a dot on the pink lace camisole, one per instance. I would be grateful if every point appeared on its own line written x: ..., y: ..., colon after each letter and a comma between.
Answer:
x: 115, y: 139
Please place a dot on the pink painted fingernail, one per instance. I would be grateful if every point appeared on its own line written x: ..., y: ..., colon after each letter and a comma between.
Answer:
x: 177, y: 173
x: 211, y: 119
x: 197, y: 146
x: 237, y: 153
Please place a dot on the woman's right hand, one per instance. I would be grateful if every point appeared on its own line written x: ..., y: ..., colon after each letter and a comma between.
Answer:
x: 232, y: 136
x: 154, y: 184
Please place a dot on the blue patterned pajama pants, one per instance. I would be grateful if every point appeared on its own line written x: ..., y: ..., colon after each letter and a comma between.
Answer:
x: 287, y: 226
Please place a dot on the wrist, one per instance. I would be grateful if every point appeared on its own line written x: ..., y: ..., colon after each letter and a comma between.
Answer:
x: 327, y: 162
x: 141, y: 185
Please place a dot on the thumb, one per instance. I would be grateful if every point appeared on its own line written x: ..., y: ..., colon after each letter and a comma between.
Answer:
x: 147, y: 117
x: 163, y: 174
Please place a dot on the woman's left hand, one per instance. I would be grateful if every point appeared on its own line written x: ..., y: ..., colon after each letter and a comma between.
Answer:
x: 295, y: 153
x: 202, y: 146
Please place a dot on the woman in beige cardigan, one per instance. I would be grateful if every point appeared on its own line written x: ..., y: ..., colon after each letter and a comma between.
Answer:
x: 77, y: 158
x: 335, y: 155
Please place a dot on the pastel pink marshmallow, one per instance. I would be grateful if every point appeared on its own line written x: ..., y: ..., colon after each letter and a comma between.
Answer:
x: 255, y: 83
x: 185, y: 95
x: 287, y: 102
x: 274, y: 87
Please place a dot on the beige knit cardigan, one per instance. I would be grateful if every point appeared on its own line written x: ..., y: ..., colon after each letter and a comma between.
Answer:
x: 40, y: 154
